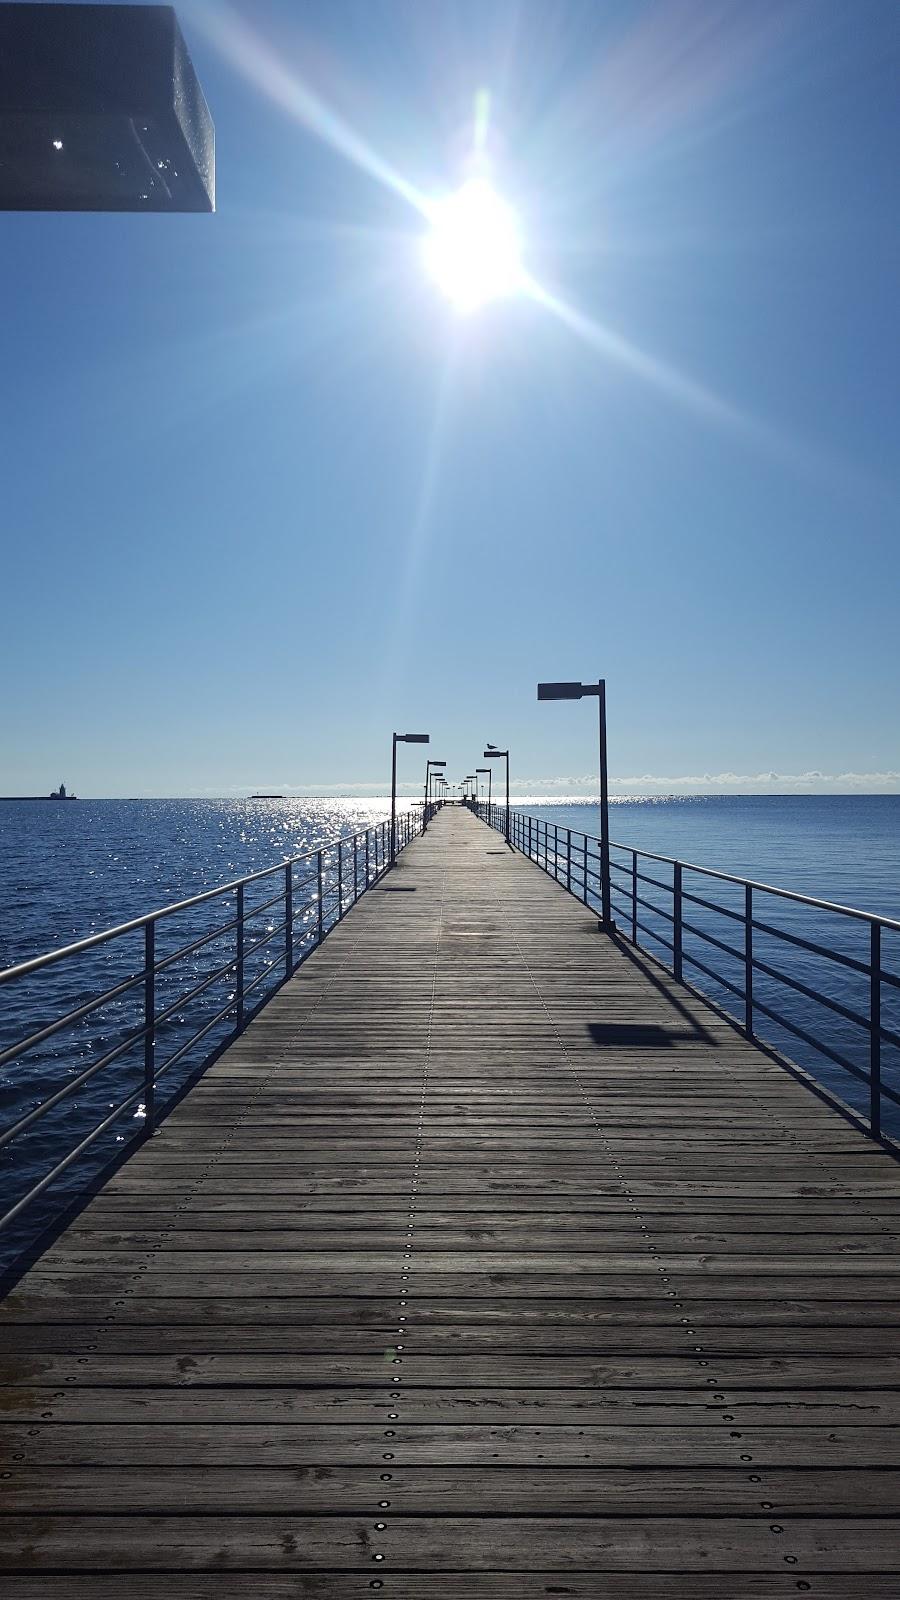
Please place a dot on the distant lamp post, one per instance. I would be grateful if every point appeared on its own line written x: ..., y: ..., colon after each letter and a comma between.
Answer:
x: 493, y: 754
x: 577, y: 691
x: 430, y: 770
x: 101, y: 110
x: 489, y: 771
x: 400, y: 738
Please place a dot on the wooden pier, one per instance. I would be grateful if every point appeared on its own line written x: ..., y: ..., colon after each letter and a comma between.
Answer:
x: 486, y: 1262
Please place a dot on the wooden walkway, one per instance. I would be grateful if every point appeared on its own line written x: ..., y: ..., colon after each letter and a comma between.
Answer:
x: 485, y: 1263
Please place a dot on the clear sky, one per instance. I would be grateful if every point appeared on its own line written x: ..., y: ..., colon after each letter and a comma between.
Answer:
x: 266, y: 494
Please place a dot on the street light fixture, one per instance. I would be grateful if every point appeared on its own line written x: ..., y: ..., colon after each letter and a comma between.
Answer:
x: 577, y: 691
x: 101, y: 110
x: 493, y: 754
x: 400, y: 738
x: 490, y: 774
x: 429, y: 765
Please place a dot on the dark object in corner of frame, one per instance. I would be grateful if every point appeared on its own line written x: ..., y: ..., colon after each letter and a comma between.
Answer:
x: 101, y: 110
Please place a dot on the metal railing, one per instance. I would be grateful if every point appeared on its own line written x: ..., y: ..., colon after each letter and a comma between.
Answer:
x: 265, y: 938
x: 663, y: 911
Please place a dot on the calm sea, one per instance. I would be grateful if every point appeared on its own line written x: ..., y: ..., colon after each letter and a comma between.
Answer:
x: 70, y: 870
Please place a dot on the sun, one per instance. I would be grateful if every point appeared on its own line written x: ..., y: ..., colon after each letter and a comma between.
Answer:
x: 473, y: 251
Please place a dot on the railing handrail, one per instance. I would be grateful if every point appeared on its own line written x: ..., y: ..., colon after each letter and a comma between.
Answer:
x: 36, y: 963
x: 732, y: 877
x: 585, y: 883
x: 335, y: 880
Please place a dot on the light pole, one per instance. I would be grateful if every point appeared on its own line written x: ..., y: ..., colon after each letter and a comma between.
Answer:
x: 577, y: 691
x: 493, y: 754
x: 490, y: 773
x: 428, y: 773
x: 470, y: 778
x: 400, y: 738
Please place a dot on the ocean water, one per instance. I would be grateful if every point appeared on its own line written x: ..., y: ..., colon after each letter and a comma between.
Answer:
x: 67, y: 871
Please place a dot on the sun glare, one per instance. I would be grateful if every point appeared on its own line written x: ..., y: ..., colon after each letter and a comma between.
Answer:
x: 473, y: 251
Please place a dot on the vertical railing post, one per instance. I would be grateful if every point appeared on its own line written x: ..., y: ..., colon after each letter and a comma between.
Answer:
x: 288, y: 919
x: 676, y: 925
x: 530, y: 851
x: 875, y: 1031
x: 340, y: 886
x: 569, y: 859
x: 555, y: 853
x: 585, y: 884
x: 634, y: 897
x: 239, y: 962
x: 319, y: 882
x: 149, y: 1024
x: 355, y: 869
x: 368, y: 831
x: 748, y: 961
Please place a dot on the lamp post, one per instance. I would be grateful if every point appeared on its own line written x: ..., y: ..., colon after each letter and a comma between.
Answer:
x: 470, y: 778
x: 577, y: 691
x: 400, y: 738
x: 493, y: 754
x: 490, y: 773
x: 429, y: 765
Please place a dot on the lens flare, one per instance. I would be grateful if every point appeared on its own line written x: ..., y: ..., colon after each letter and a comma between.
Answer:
x: 473, y: 251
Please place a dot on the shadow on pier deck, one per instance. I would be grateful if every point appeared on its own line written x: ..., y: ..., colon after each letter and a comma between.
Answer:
x: 486, y: 1262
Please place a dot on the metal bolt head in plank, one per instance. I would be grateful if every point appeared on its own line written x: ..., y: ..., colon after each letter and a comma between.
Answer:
x: 101, y: 110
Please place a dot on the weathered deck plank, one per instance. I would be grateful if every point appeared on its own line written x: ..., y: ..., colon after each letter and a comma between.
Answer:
x: 487, y: 1262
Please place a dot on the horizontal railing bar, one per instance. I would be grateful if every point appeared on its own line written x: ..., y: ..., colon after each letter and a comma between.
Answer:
x: 201, y: 1034
x: 812, y: 946
x: 311, y: 936
x: 832, y: 1055
x: 73, y: 1155
x: 185, y: 999
x: 657, y: 910
x: 34, y: 1115
x: 70, y: 1017
x: 808, y: 1038
x: 764, y: 888
x: 727, y: 949
x: 266, y: 939
x: 23, y: 968
x: 710, y: 905
x: 811, y: 994
x: 660, y: 938
x: 626, y: 894
x: 300, y: 883
x: 644, y: 877
x: 190, y: 949
x: 716, y: 976
x: 264, y: 905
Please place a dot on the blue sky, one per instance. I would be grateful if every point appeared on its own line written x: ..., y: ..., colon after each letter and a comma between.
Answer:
x: 266, y: 496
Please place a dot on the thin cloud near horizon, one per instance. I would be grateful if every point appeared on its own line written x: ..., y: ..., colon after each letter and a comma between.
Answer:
x: 585, y: 785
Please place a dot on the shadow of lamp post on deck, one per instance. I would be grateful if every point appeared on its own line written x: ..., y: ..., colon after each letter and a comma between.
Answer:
x: 577, y: 691
x: 400, y: 738
x: 101, y: 110
x: 431, y: 772
x: 493, y: 754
